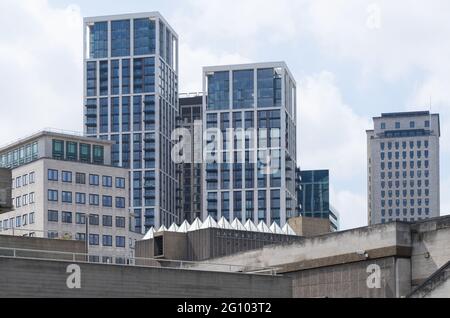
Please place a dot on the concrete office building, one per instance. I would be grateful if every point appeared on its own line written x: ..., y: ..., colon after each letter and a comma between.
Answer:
x: 313, y: 196
x: 58, y: 182
x: 239, y: 181
x: 131, y: 98
x: 190, y: 173
x: 403, y: 167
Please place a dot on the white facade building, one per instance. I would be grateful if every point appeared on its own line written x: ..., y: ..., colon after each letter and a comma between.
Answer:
x: 403, y: 167
x: 60, y: 181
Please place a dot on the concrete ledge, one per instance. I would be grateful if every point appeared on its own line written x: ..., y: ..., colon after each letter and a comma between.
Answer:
x: 398, y: 251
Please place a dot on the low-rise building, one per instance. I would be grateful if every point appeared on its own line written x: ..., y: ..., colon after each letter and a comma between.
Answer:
x: 64, y: 187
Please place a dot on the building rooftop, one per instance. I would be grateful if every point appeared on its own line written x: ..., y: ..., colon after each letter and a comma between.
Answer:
x: 53, y: 133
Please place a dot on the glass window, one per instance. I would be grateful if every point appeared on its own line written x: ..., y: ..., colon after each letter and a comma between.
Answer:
x: 31, y: 218
x: 66, y: 217
x: 144, y: 75
x: 243, y: 88
x: 53, y: 195
x: 120, y: 202
x: 120, y: 38
x: 115, y: 81
x: 71, y: 151
x: 98, y: 40
x: 80, y: 178
x: 107, y: 181
x: 218, y: 90
x: 412, y: 124
x: 93, y: 239
x: 66, y: 176
x: 52, y: 176
x: 93, y: 219
x: 58, y: 149
x: 107, y: 220
x: 144, y: 36
x: 94, y: 179
x: 120, y: 222
x: 120, y: 241
x: 66, y: 196
x: 269, y: 87
x: 85, y: 152
x: 94, y: 199
x: 80, y: 218
x: 52, y: 216
x: 120, y: 183
x: 107, y: 201
x: 98, y: 154
x: 107, y: 240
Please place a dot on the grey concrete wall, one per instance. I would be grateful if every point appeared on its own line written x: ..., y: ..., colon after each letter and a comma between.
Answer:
x: 373, y: 239
x: 307, y: 226
x: 36, y: 278
x: 430, y: 248
x: 345, y: 281
x: 36, y: 247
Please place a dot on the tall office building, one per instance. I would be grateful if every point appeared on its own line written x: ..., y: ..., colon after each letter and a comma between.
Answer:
x: 131, y: 98
x: 190, y: 172
x: 238, y: 182
x: 403, y: 167
x: 313, y: 196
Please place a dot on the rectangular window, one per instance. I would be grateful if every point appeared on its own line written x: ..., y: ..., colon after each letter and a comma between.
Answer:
x: 120, y: 183
x: 120, y: 38
x: 98, y: 156
x: 93, y: 219
x: 94, y: 199
x: 107, y: 240
x: 107, y: 201
x: 80, y: 178
x: 80, y: 218
x: 66, y: 176
x: 58, y: 149
x: 94, y: 179
x: 269, y: 88
x: 85, y: 153
x: 52, y: 216
x: 120, y: 241
x: 80, y: 198
x: 66, y: 196
x: 24, y: 219
x: 31, y: 218
x: 52, y: 175
x: 71, y: 151
x: 32, y: 177
x: 80, y: 236
x: 107, y: 181
x: 218, y: 90
x: 120, y: 222
x: 93, y: 239
x: 53, y: 195
x: 243, y: 86
x: 107, y: 220
x: 144, y: 36
x: 66, y: 217
x: 120, y: 202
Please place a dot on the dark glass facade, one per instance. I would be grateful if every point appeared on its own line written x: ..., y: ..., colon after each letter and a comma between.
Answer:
x: 131, y: 101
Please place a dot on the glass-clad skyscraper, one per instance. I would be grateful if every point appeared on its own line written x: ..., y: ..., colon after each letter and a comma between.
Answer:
x: 131, y: 98
x: 250, y: 173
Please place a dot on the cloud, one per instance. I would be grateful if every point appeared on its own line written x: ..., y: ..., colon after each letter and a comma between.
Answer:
x: 192, y: 61
x: 350, y: 206
x: 331, y: 134
x: 41, y: 63
x: 333, y: 137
